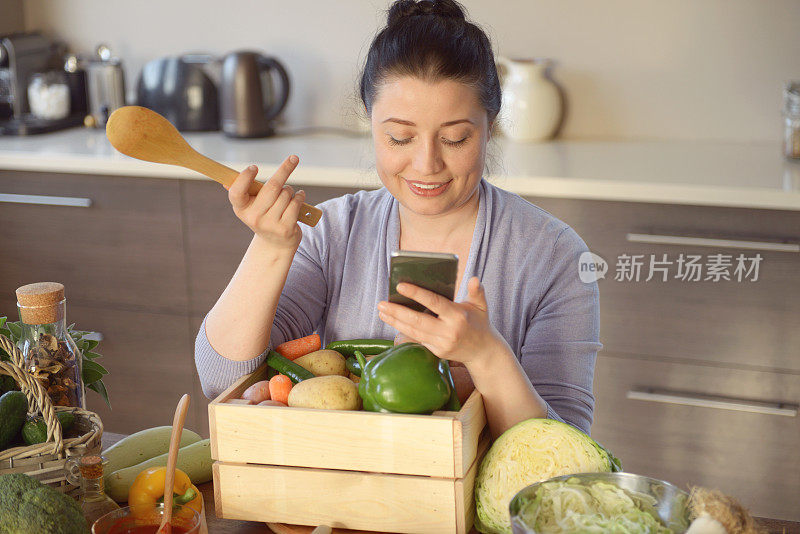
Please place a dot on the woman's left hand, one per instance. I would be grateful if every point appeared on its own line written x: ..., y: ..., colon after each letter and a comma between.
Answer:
x: 461, y: 332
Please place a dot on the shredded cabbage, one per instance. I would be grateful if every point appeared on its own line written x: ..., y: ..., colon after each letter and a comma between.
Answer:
x: 529, y: 452
x: 598, y: 507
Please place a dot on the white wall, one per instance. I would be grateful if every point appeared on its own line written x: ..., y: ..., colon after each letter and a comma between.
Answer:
x: 676, y: 69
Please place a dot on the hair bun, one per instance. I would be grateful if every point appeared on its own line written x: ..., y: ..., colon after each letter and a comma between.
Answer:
x: 411, y: 8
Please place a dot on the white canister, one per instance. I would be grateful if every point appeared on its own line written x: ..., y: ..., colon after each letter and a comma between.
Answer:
x: 532, y: 107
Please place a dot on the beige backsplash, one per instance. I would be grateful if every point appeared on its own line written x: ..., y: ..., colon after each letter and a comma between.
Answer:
x: 632, y: 68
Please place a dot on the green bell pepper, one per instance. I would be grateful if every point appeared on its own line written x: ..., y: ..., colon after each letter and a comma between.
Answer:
x: 407, y: 378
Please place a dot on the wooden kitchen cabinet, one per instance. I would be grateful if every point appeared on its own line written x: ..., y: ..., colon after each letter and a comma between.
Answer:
x: 747, y: 454
x: 216, y: 240
x: 124, y: 249
x: 150, y: 361
x: 728, y: 322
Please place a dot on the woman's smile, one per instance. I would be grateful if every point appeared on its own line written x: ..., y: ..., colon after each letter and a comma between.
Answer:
x: 427, y: 189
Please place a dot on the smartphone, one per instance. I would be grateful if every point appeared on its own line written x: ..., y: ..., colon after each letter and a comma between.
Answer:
x: 434, y: 271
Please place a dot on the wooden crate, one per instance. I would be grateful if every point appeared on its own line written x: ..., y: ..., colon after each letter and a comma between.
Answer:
x: 347, y: 469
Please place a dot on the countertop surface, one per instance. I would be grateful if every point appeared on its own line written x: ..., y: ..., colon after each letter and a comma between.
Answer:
x: 231, y: 526
x: 732, y: 174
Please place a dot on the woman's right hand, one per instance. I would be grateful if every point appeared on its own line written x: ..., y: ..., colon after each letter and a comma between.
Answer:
x: 272, y: 213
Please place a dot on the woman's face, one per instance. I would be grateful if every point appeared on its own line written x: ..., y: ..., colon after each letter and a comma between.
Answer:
x: 430, y: 143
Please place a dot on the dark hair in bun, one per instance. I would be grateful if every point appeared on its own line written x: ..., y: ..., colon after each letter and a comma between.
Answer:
x: 432, y: 40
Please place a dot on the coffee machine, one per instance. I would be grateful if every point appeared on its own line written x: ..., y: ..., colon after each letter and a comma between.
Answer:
x: 21, y: 56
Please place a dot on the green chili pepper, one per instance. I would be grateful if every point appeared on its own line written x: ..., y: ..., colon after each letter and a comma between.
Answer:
x: 369, y: 347
x: 353, y: 366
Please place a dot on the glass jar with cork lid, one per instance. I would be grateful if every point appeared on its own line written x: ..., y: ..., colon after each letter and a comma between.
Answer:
x: 50, y: 353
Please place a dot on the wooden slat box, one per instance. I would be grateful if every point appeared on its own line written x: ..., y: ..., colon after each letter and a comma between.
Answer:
x: 359, y: 470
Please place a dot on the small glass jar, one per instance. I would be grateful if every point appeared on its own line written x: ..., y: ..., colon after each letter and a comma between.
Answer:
x: 87, y: 472
x: 791, y: 120
x: 48, y: 95
x: 50, y: 353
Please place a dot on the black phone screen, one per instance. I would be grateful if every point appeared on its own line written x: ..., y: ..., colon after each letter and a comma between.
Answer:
x: 433, y: 271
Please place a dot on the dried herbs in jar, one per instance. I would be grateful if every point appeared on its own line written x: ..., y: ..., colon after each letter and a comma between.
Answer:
x: 50, y: 353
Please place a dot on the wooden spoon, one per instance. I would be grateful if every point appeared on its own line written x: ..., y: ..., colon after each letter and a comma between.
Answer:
x: 142, y: 133
x: 172, y: 459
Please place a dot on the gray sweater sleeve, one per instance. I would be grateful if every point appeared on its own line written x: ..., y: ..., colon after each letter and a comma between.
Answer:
x: 561, y: 344
x: 216, y: 372
x: 300, y: 308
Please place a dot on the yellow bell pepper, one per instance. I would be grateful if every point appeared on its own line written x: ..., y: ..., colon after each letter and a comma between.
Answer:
x: 147, y: 491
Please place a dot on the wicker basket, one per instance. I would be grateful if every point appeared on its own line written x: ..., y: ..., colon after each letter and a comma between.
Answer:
x: 45, y: 461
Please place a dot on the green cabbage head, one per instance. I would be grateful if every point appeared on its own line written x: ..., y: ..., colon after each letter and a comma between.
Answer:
x: 529, y: 452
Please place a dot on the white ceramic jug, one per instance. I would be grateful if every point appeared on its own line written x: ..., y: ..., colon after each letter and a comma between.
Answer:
x: 532, y: 107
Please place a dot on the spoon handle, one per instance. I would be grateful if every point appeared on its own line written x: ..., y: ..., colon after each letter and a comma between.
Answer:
x: 172, y: 459
x: 215, y: 170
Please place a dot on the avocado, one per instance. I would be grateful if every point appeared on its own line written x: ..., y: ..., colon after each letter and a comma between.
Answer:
x: 13, y: 409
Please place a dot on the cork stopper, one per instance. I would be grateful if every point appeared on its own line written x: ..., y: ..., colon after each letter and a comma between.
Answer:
x: 91, y: 466
x: 39, y: 302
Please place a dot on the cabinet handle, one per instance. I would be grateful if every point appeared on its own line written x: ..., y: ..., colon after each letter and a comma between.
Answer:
x: 711, y: 401
x: 708, y: 242
x: 44, y: 200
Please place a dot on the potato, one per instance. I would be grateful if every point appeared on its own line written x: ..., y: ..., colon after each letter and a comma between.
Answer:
x: 271, y: 403
x: 257, y: 392
x: 331, y: 392
x: 323, y: 362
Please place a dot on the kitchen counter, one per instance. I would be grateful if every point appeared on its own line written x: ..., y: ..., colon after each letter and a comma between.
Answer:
x: 230, y: 526
x: 749, y: 175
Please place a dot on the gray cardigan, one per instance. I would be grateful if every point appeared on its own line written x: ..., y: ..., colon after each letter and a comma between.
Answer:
x: 526, y: 258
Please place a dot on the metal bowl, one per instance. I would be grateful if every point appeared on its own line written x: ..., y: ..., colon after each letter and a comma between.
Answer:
x: 672, y: 503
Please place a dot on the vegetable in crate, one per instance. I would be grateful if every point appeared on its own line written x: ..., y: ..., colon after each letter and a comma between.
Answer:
x: 291, y: 350
x: 367, y: 347
x: 529, y: 452
x: 331, y: 392
x: 323, y: 362
x: 287, y: 367
x: 407, y: 378
x: 27, y: 507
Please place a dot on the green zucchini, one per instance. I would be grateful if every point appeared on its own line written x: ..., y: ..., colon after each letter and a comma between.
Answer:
x: 194, y: 460
x: 287, y: 367
x: 367, y: 347
x: 144, y: 445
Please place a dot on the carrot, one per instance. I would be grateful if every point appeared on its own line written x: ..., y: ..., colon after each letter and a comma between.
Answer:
x: 291, y: 350
x: 279, y: 388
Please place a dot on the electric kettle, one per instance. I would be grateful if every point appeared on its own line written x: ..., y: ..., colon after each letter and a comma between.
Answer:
x: 248, y: 100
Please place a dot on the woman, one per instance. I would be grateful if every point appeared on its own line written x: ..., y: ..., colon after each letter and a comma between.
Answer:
x: 523, y: 324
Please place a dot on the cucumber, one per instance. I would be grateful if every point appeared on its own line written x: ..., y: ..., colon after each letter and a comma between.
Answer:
x: 194, y: 460
x: 7, y: 384
x: 13, y: 410
x: 35, y: 430
x: 142, y: 446
x: 287, y: 367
